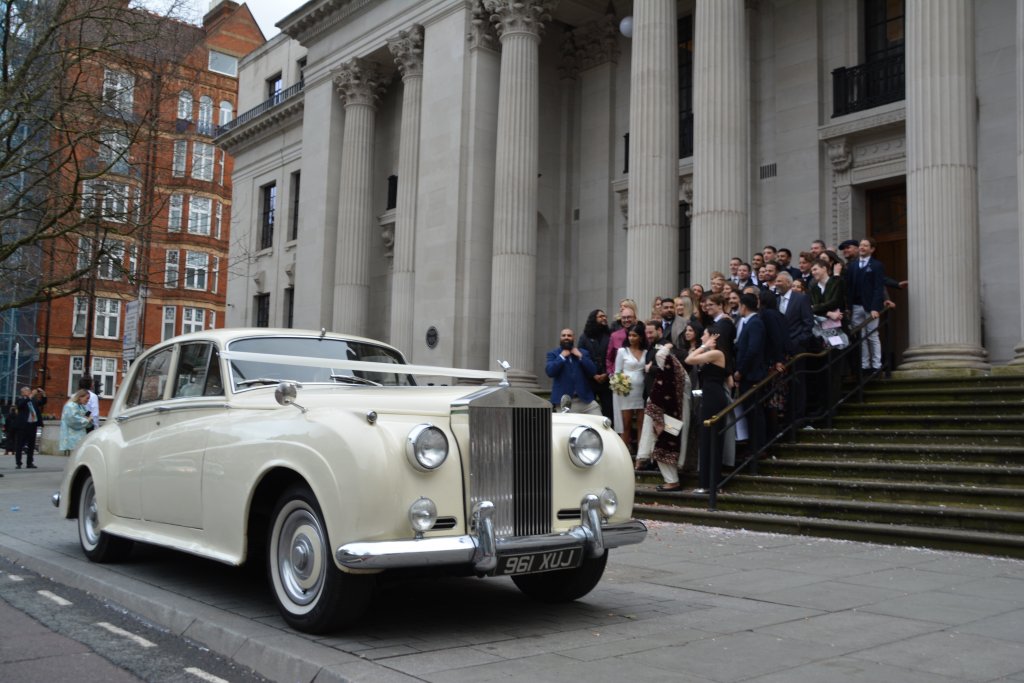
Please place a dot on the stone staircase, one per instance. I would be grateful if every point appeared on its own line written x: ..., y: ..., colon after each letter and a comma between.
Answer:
x: 935, y: 462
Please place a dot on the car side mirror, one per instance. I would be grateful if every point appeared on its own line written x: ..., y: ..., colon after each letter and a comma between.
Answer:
x: 286, y: 393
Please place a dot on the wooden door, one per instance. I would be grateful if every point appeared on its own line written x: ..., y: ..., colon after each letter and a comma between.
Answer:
x: 887, y: 224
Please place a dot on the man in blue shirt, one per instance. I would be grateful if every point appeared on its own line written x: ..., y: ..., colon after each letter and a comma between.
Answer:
x: 571, y: 369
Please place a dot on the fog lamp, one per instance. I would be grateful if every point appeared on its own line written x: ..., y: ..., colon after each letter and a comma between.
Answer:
x: 422, y: 515
x: 609, y: 501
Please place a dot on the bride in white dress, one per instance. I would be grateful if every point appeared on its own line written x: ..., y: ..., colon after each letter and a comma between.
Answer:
x: 629, y: 409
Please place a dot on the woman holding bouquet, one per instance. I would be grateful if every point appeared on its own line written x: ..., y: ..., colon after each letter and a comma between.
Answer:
x: 628, y: 384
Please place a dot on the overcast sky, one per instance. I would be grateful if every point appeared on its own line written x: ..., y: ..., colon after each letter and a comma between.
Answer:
x: 269, y: 12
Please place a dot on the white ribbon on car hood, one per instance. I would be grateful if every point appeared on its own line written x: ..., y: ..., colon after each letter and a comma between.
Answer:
x: 365, y: 366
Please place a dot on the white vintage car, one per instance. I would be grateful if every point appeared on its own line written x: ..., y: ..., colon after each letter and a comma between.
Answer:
x: 320, y: 455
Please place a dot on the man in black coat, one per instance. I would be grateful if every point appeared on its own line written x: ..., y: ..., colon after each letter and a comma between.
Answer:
x: 865, y: 291
x: 30, y: 416
x: 594, y: 339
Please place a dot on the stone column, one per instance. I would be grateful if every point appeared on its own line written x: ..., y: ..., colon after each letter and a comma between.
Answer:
x: 360, y: 84
x: 407, y: 48
x: 514, y: 261
x: 652, y: 244
x: 1019, y: 351
x: 721, y: 136
x: 942, y: 194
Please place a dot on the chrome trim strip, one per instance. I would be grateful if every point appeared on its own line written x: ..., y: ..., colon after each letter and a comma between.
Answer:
x: 55, y: 499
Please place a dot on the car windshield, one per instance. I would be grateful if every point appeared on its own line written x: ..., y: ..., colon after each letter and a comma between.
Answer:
x: 253, y: 373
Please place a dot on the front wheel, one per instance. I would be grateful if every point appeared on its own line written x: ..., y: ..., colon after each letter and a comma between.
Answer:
x: 564, y: 585
x: 97, y: 545
x: 312, y: 594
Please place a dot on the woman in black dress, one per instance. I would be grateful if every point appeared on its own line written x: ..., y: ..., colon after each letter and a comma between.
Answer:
x: 711, y: 365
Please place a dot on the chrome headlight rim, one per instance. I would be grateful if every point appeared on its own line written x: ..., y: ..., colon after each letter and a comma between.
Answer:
x: 422, y: 455
x: 581, y: 446
x: 422, y: 515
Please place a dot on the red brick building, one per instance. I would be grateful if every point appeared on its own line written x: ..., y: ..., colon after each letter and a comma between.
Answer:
x: 166, y: 275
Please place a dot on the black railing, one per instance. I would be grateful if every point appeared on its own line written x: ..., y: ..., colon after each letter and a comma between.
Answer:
x: 821, y: 370
x: 262, y: 108
x: 856, y: 88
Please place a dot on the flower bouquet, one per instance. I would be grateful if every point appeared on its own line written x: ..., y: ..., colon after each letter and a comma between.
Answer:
x: 621, y: 384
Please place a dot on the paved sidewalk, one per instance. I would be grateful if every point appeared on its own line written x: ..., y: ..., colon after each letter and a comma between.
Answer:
x: 690, y: 604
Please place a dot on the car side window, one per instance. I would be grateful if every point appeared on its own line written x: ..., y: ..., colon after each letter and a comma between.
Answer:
x: 198, y: 371
x: 150, y: 379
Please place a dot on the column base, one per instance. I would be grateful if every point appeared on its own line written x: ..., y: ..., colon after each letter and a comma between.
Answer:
x: 523, y: 379
x: 1018, y: 355
x: 945, y: 357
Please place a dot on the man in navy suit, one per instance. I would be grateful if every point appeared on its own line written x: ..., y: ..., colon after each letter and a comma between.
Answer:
x: 796, y: 312
x: 865, y: 290
x: 751, y: 365
x: 571, y: 368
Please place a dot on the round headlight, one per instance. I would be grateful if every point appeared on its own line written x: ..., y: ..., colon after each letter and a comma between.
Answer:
x: 585, y: 447
x: 609, y: 501
x: 422, y: 515
x: 427, y: 447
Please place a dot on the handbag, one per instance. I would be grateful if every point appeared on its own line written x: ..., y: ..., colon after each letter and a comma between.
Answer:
x: 673, y: 425
x: 830, y: 332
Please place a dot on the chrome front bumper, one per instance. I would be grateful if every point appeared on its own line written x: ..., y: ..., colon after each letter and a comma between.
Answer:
x: 480, y: 548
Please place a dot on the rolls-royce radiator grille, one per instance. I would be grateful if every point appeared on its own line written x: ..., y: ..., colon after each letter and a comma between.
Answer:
x: 510, y: 465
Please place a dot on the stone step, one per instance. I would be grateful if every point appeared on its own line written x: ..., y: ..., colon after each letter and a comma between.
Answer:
x: 955, y: 410
x: 951, y: 496
x: 901, y: 451
x: 928, y: 419
x: 965, y: 540
x: 937, y: 384
x: 880, y: 470
x: 937, y: 436
x: 885, y: 393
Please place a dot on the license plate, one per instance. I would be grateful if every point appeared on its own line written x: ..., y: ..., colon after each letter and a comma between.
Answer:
x: 528, y: 563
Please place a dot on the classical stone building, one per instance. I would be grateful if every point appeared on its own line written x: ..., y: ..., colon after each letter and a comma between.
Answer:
x: 464, y: 178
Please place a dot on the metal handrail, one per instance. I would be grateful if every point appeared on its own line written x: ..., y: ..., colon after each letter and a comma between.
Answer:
x: 732, y: 410
x: 262, y: 108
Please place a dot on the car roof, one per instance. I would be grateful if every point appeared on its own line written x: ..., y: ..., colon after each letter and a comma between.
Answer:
x: 225, y: 335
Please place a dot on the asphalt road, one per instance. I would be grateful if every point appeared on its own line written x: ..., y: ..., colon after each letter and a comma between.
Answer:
x: 52, y: 632
x: 689, y: 604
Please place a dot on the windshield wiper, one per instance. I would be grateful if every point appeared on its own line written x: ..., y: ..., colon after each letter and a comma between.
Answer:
x: 258, y: 380
x: 352, y: 379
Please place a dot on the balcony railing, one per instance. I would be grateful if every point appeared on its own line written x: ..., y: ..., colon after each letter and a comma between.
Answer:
x: 262, y: 108
x: 865, y: 86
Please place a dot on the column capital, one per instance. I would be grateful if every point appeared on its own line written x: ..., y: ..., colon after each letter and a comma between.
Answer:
x: 597, y: 42
x: 519, y: 16
x: 360, y: 81
x: 569, y: 61
x: 481, y: 31
x: 407, y: 49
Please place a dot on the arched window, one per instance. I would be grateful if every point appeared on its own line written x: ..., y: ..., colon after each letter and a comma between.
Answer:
x: 206, y: 115
x: 185, y: 105
x: 226, y: 112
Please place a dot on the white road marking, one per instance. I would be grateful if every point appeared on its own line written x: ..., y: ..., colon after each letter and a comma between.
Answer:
x: 55, y: 598
x: 15, y: 577
x: 138, y: 640
x: 199, y: 673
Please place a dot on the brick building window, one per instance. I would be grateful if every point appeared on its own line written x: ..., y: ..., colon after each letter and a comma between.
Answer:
x: 185, y: 105
x: 202, y: 161
x: 192, y: 320
x: 171, y: 269
x: 175, y: 206
x: 179, y: 158
x: 167, y: 330
x: 197, y: 265
x: 199, y: 215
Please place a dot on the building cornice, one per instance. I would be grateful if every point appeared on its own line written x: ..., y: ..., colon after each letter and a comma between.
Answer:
x: 870, y: 120
x: 306, y: 25
x: 237, y: 138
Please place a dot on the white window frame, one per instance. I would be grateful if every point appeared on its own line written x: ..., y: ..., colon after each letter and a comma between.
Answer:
x: 84, y: 254
x: 76, y: 367
x: 192, y: 319
x: 213, y: 320
x: 222, y: 63
x: 205, y: 123
x: 179, y: 158
x: 113, y: 148
x: 79, y: 316
x: 172, y: 269
x: 185, y: 105
x: 111, y: 262
x: 218, y: 218
x: 202, y: 160
x: 107, y: 319
x: 106, y: 370
x: 175, y: 210
x: 214, y: 274
x: 197, y: 270
x: 119, y: 90
x: 227, y: 112
x: 170, y: 314
x: 199, y: 209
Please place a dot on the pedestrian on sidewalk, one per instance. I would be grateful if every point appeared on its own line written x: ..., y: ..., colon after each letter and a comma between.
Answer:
x: 74, y: 421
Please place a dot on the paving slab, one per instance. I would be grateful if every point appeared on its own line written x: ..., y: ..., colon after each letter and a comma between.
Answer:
x: 691, y: 604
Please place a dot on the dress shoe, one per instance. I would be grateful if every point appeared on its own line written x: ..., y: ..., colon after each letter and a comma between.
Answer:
x: 31, y: 467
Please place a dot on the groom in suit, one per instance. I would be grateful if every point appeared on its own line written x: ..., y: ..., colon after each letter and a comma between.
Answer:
x: 865, y: 290
x: 751, y: 365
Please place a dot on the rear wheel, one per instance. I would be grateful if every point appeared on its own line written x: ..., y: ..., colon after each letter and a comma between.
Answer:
x: 98, y: 546
x: 312, y: 594
x: 564, y: 585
